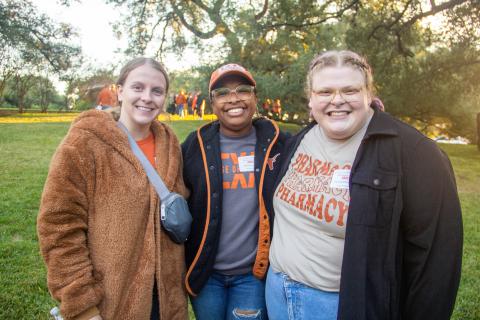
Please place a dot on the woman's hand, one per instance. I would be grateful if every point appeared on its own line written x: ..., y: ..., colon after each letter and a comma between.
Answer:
x: 97, y: 317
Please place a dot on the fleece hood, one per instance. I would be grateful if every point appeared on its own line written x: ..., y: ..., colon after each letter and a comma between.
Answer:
x: 101, y: 126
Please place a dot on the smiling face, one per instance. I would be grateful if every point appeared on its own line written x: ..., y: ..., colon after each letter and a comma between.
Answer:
x: 339, y: 101
x: 235, y: 115
x: 142, y: 95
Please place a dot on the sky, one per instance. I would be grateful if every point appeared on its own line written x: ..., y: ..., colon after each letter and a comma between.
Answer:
x: 93, y: 20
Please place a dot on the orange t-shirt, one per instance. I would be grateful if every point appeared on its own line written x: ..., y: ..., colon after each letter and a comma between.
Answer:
x: 147, y: 146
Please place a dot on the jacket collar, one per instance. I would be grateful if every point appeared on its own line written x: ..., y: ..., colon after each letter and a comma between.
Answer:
x: 102, y: 125
x: 380, y: 125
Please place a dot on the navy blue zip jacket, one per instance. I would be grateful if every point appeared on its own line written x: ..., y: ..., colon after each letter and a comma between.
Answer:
x: 203, y: 177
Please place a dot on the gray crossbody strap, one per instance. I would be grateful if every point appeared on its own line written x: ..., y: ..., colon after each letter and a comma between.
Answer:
x: 152, y: 174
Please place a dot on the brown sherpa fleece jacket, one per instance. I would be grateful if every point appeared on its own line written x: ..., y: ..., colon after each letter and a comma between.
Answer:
x: 98, y: 225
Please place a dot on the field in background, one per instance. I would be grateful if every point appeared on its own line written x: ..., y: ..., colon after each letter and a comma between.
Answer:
x: 25, y: 152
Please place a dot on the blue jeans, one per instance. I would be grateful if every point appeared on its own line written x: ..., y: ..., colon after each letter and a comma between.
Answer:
x: 230, y: 298
x: 291, y: 300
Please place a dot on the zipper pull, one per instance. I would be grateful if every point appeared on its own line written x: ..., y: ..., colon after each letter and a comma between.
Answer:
x: 162, y: 212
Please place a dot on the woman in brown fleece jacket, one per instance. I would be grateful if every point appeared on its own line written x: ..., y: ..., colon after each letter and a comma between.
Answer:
x: 98, y: 226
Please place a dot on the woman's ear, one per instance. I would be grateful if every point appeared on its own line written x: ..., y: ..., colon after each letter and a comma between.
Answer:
x: 120, y: 93
x: 369, y: 98
x: 310, y: 103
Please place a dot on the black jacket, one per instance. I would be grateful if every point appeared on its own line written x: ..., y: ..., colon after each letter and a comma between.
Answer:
x: 403, y: 242
x: 203, y: 177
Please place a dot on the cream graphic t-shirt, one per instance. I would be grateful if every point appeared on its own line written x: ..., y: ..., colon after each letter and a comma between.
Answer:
x: 311, y: 207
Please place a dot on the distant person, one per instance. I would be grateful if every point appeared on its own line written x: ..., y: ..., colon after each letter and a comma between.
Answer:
x: 266, y: 107
x: 367, y: 217
x: 181, y: 101
x: 171, y: 104
x: 201, y: 104
x: 202, y: 109
x: 195, y: 102
x: 277, y: 109
x: 230, y: 166
x: 107, y: 97
x: 98, y: 227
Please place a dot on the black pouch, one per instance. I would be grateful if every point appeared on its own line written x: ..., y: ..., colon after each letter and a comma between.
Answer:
x: 175, y: 217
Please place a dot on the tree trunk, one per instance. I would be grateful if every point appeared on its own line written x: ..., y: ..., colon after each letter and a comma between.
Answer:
x: 21, y: 105
x: 21, y: 99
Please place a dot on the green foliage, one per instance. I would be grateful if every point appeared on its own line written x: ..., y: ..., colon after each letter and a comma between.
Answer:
x: 33, y: 48
x: 187, y: 81
x: 421, y: 75
x: 42, y: 93
x: 33, y: 92
x: 34, y: 37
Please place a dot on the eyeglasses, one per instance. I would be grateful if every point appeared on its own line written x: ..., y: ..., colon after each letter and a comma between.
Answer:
x: 243, y: 92
x: 348, y: 95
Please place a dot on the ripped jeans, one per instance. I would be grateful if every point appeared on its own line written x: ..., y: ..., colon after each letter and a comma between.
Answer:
x: 230, y: 298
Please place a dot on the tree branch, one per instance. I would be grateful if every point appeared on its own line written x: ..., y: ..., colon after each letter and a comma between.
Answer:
x: 336, y: 15
x: 401, y: 48
x: 434, y: 10
x: 262, y: 13
x: 201, y: 5
x: 164, y: 35
x: 391, y: 24
x: 202, y: 35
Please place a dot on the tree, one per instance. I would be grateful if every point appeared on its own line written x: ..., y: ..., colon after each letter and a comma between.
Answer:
x: 32, y: 44
x: 8, y: 68
x: 34, y: 36
x: 42, y: 92
x: 243, y: 26
x: 422, y: 73
x: 22, y: 85
x: 427, y: 76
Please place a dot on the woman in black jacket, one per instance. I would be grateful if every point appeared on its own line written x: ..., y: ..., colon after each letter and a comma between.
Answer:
x: 367, y: 217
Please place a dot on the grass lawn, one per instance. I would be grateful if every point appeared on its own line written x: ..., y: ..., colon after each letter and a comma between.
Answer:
x: 25, y: 152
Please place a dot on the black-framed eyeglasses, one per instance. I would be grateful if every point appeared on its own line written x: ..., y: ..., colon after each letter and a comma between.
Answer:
x: 243, y: 92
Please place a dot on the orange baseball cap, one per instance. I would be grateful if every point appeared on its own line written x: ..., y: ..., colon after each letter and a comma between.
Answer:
x: 231, y: 68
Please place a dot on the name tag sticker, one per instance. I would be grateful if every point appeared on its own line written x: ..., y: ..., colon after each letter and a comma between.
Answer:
x: 246, y: 163
x: 340, y: 179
